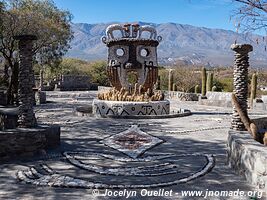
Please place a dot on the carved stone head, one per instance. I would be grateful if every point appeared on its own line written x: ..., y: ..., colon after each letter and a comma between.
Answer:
x: 132, y: 57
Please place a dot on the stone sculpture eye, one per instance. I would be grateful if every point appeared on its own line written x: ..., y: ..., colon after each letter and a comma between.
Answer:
x: 144, y: 52
x: 120, y: 52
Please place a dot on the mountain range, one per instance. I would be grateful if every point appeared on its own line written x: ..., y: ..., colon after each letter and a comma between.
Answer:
x: 184, y: 44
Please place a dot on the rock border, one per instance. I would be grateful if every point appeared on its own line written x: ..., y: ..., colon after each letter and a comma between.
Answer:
x: 248, y: 158
x: 28, y: 141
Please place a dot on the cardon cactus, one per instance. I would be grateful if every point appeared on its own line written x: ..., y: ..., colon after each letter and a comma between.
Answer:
x: 174, y: 88
x: 253, y: 86
x: 209, y: 82
x: 170, y: 80
x: 197, y: 89
x: 158, y: 83
x: 204, y: 78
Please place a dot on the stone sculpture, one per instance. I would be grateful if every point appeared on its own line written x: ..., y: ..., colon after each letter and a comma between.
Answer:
x: 132, y: 63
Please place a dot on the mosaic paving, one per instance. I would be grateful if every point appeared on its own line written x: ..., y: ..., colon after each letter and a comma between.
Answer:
x: 133, y: 142
x: 170, y: 169
x: 129, y: 166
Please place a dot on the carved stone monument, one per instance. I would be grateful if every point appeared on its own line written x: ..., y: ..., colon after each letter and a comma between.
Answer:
x: 133, y: 72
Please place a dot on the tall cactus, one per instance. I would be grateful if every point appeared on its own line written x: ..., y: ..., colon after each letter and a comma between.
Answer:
x: 253, y: 89
x: 170, y: 80
x: 253, y: 86
x: 209, y: 81
x: 197, y: 89
x: 158, y: 83
x: 174, y: 88
x: 204, y: 79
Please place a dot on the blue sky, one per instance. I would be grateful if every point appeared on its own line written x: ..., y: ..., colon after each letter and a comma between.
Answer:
x: 206, y: 13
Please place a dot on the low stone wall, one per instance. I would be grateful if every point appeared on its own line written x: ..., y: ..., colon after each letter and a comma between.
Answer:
x: 182, y: 96
x: 75, y: 83
x: 248, y: 158
x: 27, y: 141
x: 221, y: 99
x: 103, y: 88
x: 130, y: 108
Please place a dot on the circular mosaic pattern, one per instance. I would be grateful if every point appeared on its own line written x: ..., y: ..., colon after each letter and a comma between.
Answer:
x: 102, y: 170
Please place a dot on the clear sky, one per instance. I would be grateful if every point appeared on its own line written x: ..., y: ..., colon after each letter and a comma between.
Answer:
x: 206, y: 13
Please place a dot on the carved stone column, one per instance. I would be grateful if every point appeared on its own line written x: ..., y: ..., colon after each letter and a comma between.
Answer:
x: 240, y: 82
x: 26, y: 113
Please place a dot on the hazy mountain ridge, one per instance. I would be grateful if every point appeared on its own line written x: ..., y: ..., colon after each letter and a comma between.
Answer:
x: 181, y: 43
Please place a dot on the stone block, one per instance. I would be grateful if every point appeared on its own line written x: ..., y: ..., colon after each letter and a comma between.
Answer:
x: 52, y: 135
x: 75, y: 83
x: 248, y: 158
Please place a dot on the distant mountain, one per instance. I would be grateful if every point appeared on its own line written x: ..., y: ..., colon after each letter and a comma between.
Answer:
x: 184, y: 44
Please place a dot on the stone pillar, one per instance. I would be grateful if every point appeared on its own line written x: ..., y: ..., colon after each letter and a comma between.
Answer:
x: 170, y: 80
x: 240, y: 82
x: 26, y: 113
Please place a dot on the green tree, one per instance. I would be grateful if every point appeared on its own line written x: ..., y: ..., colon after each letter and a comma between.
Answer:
x: 41, y: 18
x: 98, y: 73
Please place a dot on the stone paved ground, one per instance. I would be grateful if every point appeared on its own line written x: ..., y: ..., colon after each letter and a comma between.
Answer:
x: 188, y: 139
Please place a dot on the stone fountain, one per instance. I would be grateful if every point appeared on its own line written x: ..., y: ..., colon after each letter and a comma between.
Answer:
x: 133, y: 72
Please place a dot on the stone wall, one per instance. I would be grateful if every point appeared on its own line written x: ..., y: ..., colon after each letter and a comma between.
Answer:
x: 248, y: 158
x: 182, y: 96
x: 221, y: 99
x: 74, y: 83
x: 27, y: 141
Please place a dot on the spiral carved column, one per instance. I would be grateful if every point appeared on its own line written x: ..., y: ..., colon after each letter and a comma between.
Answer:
x: 240, y: 82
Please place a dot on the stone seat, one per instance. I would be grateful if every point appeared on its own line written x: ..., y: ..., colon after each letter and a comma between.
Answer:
x: 8, y: 117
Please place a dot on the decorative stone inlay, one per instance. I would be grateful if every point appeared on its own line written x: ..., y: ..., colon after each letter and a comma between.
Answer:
x: 128, y: 108
x: 132, y: 142
x: 46, y: 176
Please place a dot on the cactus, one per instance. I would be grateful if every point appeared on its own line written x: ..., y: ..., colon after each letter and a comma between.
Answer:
x: 209, y: 82
x: 140, y: 89
x: 170, y: 80
x: 204, y: 78
x: 197, y: 89
x: 214, y: 88
x: 158, y: 83
x: 253, y: 88
x: 265, y: 138
x: 174, y: 88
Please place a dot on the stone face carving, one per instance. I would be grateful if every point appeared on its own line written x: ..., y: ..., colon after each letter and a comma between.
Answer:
x: 132, y: 59
x: 150, y: 29
x: 111, y: 28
